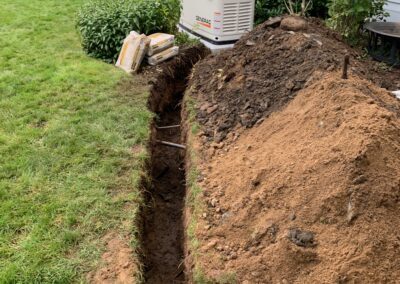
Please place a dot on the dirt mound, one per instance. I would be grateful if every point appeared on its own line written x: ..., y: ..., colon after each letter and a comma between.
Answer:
x: 312, y: 194
x: 264, y: 72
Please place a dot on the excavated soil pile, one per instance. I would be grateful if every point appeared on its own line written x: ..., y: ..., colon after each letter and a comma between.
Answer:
x: 265, y: 71
x: 312, y: 194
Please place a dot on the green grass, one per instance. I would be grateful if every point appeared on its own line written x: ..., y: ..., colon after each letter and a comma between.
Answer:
x: 68, y: 174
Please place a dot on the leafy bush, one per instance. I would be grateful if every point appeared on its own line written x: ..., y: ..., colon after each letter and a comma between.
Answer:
x: 268, y: 8
x: 183, y: 39
x: 271, y: 8
x: 348, y: 16
x: 104, y: 24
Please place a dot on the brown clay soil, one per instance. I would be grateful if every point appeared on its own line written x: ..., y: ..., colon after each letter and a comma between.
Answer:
x: 118, y: 264
x: 309, y: 195
x: 266, y: 69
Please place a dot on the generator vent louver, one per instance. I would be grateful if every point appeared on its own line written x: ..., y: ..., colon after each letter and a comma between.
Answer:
x: 237, y: 17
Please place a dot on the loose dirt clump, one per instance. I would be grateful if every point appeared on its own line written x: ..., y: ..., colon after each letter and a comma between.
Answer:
x: 266, y: 69
x: 311, y: 194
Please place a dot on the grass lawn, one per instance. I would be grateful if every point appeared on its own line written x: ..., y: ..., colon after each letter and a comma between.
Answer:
x: 68, y: 174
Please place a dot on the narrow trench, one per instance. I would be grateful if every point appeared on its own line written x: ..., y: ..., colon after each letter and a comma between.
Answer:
x: 163, y: 235
x: 164, y: 232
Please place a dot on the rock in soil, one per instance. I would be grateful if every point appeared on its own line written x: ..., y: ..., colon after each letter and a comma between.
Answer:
x: 294, y: 24
x: 301, y: 238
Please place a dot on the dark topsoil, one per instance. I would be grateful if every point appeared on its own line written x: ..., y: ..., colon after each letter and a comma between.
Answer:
x: 266, y: 69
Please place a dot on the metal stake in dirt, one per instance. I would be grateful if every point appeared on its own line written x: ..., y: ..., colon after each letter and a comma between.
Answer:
x: 168, y: 127
x: 346, y: 63
x: 173, y: 145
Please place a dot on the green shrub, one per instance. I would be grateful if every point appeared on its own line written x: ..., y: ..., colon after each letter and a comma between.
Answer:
x: 104, y: 24
x: 348, y: 16
x: 271, y: 8
x: 268, y: 8
x: 183, y: 39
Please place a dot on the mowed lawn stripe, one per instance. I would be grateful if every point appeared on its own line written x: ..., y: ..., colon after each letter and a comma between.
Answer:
x: 68, y: 174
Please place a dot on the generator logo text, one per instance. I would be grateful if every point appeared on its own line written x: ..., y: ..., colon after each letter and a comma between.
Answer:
x: 203, y: 21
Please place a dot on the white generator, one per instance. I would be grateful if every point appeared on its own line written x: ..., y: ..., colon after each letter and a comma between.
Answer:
x: 218, y: 23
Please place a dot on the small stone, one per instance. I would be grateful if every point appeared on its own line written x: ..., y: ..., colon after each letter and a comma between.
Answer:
x: 292, y: 216
x: 330, y: 68
x: 360, y: 180
x: 290, y: 85
x: 260, y: 176
x: 218, y: 210
x: 212, y: 109
x: 318, y: 42
x: 273, y: 21
x: 256, y: 274
x: 301, y: 238
x: 207, y: 227
x: 293, y: 23
x: 126, y: 265
x: 204, y: 215
x: 211, y: 244
x: 261, y: 120
x: 250, y: 43
x: 213, y: 202
x: 220, y: 145
x: 226, y: 216
x: 337, y: 108
x: 351, y: 214
x: 205, y: 106
x: 219, y: 137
